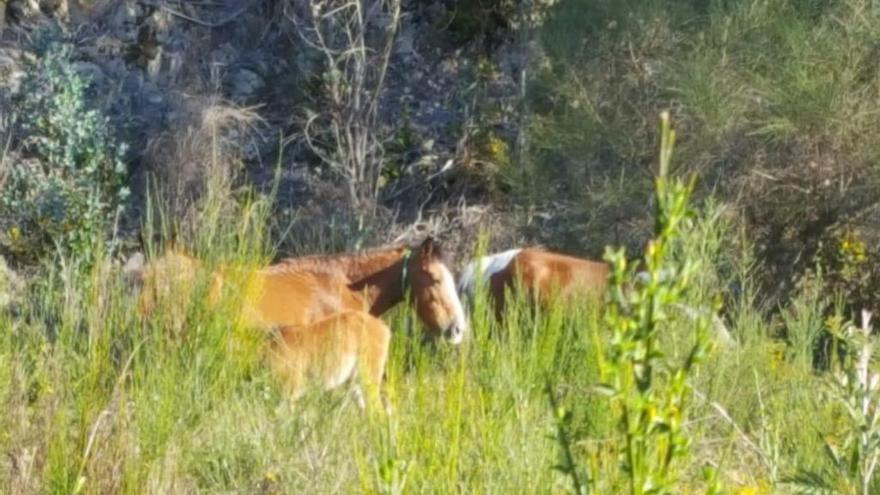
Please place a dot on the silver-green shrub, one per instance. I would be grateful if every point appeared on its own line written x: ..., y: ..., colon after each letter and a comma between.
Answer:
x: 67, y: 184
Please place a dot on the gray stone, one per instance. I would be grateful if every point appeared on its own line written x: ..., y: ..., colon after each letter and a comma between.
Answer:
x: 124, y: 20
x: 405, y: 42
x: 154, y: 66
x: 244, y: 84
x: 92, y: 71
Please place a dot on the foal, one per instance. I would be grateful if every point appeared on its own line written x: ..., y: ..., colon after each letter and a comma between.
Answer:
x: 331, y: 352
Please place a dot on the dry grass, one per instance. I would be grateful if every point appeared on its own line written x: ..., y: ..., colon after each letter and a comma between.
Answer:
x: 204, y: 141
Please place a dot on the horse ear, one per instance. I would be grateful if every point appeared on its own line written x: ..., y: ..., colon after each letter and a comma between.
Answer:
x: 429, y: 248
x: 133, y: 270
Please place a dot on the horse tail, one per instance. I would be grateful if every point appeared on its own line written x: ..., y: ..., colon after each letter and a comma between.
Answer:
x: 690, y: 311
x: 702, y: 311
x: 467, y: 281
x: 643, y: 276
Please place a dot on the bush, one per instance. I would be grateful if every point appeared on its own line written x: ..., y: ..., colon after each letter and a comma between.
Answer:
x: 852, y: 269
x: 770, y: 96
x: 492, y: 19
x: 67, y: 185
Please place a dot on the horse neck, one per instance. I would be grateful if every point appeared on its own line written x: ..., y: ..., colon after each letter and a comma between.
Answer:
x: 374, y: 275
x: 378, y: 277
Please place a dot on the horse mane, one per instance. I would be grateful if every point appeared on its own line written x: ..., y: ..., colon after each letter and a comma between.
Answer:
x: 333, y: 263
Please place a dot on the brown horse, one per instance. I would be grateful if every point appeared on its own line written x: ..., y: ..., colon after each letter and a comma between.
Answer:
x: 541, y: 272
x: 314, y: 299
x: 381, y: 278
x: 300, y: 291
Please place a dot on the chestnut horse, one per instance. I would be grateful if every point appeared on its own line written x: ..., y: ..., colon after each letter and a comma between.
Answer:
x: 541, y: 272
x: 379, y: 279
x: 300, y: 291
x: 316, y: 302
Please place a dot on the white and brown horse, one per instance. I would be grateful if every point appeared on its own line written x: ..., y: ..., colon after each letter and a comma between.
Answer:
x: 322, y: 305
x: 542, y: 273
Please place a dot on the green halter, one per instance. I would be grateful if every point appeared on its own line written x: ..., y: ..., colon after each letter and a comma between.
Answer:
x: 405, y: 271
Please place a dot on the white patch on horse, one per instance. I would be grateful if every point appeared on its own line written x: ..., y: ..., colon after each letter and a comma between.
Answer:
x: 343, y: 373
x: 489, y: 265
x: 460, y: 321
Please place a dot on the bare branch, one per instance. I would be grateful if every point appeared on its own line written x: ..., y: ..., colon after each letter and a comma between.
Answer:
x: 356, y: 64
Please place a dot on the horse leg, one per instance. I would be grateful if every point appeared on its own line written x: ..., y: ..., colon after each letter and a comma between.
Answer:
x: 498, y: 286
x: 376, y: 337
x: 288, y: 358
x: 350, y: 351
x: 358, y: 396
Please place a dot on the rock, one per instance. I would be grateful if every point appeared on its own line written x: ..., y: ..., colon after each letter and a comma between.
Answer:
x: 56, y: 8
x: 154, y: 65
x: 223, y: 55
x: 22, y: 10
x: 92, y: 71
x: 405, y: 42
x: 159, y: 21
x: 244, y: 84
x: 11, y: 70
x: 124, y: 20
x: 175, y: 63
x: 436, y: 13
x: 133, y: 82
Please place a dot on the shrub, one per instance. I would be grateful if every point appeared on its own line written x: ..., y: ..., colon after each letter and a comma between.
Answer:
x: 851, y: 268
x: 68, y: 183
x: 648, y: 390
x: 770, y: 97
x: 343, y: 131
x: 492, y: 19
x: 854, y: 451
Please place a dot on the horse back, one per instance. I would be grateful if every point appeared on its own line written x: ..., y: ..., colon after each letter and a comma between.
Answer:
x: 290, y: 298
x: 544, y: 272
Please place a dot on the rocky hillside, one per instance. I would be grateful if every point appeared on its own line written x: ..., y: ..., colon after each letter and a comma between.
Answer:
x: 180, y: 81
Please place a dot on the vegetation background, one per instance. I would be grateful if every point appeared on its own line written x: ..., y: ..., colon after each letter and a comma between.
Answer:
x: 255, y: 129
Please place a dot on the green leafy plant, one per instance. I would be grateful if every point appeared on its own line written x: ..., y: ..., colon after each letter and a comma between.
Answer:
x: 851, y: 268
x: 803, y: 319
x: 69, y: 182
x: 649, y: 391
x: 854, y: 452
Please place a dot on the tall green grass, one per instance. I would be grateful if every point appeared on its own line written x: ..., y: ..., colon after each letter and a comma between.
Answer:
x: 95, y: 400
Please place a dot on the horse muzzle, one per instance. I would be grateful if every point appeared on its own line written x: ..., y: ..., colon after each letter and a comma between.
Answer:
x: 454, y: 334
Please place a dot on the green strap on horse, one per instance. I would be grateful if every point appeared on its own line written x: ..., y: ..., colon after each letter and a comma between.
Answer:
x: 405, y: 271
